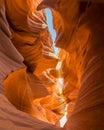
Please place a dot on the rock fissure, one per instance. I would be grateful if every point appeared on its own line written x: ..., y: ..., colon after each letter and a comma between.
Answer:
x: 42, y: 89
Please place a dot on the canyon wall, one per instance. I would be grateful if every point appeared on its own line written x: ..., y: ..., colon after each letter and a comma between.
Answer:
x: 25, y: 52
x: 28, y: 74
x: 80, y: 35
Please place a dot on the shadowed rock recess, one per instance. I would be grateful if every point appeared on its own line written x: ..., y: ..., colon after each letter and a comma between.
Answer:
x: 37, y: 87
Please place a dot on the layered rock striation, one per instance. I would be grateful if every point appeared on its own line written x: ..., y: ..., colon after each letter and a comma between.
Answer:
x: 29, y: 78
x: 81, y: 37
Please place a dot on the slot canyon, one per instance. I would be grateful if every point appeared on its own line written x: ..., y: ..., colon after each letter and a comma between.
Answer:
x: 45, y: 89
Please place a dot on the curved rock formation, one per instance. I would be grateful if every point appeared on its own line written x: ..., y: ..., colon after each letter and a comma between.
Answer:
x: 28, y: 76
x: 19, y: 83
x: 30, y: 34
x: 82, y: 38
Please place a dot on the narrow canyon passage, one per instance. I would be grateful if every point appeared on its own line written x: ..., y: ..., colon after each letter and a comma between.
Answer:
x: 51, y: 64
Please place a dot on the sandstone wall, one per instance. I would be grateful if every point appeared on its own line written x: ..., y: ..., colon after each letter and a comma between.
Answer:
x: 79, y: 26
x: 82, y: 40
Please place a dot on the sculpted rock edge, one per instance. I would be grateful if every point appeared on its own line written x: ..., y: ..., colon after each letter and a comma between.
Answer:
x: 80, y: 37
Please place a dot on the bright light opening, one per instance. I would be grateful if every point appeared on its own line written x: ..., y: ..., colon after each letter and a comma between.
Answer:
x: 64, y: 118
x: 60, y: 80
x: 49, y: 19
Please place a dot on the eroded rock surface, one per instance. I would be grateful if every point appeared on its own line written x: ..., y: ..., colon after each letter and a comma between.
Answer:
x: 80, y: 37
x: 16, y: 83
x: 82, y: 40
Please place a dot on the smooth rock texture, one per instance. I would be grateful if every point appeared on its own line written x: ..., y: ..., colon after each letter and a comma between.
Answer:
x: 11, y: 118
x: 28, y: 65
x: 81, y: 37
x: 30, y: 35
x: 16, y: 81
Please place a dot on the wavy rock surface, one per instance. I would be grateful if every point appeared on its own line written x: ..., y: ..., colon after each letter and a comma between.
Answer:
x: 30, y: 34
x: 80, y: 37
x: 82, y: 40
x: 17, y: 84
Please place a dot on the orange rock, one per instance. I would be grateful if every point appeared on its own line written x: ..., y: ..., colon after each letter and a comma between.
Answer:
x: 82, y: 37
